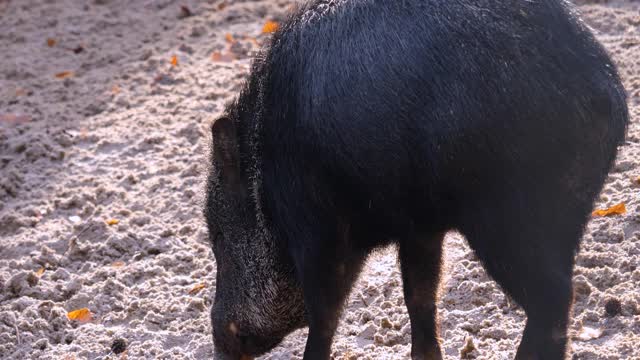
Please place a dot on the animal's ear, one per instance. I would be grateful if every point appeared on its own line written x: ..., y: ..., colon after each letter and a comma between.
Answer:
x: 226, y: 152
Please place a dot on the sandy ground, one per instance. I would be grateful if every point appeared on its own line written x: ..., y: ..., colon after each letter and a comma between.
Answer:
x: 123, y: 136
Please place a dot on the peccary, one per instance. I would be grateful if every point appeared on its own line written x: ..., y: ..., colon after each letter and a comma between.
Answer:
x: 366, y: 123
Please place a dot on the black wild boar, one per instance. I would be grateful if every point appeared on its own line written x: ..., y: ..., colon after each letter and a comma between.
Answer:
x: 366, y: 123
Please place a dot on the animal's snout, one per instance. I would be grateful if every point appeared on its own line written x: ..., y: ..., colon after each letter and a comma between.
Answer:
x: 238, y: 342
x: 250, y: 343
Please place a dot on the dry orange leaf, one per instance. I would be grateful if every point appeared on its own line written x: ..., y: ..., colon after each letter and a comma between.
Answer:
x: 112, y: 221
x: 618, y: 209
x: 84, y: 133
x: 174, y: 60
x: 77, y: 50
x: 229, y: 38
x: 64, y: 74
x: 218, y: 56
x: 82, y: 315
x: 115, y: 89
x: 51, y: 42
x: 269, y: 27
x: 117, y: 264
x: 14, y: 118
x: 40, y: 271
x: 196, y: 289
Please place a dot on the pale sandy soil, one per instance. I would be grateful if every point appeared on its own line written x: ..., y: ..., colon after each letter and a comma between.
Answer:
x: 124, y: 137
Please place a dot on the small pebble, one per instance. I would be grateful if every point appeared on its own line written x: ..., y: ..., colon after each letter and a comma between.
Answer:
x: 42, y: 344
x: 468, y: 348
x: 146, y: 54
x: 612, y: 307
x: 118, y: 346
x: 185, y: 12
x: 385, y: 323
x: 75, y: 219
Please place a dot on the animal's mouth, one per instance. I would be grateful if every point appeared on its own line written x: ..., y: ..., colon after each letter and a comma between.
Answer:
x: 250, y: 352
x: 257, y: 349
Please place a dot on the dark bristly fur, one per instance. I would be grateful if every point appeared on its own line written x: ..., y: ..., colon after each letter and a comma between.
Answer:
x: 371, y: 122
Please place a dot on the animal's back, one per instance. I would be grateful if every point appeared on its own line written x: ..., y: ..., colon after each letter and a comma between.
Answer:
x: 425, y: 100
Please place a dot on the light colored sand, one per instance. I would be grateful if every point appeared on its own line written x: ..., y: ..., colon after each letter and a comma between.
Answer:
x: 125, y: 138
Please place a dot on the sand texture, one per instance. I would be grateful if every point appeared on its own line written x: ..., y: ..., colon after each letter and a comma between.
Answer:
x: 97, y: 124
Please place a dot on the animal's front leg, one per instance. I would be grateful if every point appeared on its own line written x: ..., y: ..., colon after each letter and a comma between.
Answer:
x: 327, y: 278
x: 420, y: 258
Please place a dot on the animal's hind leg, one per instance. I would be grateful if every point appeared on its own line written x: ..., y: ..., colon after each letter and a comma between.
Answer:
x: 545, y: 334
x: 420, y: 258
x: 531, y: 256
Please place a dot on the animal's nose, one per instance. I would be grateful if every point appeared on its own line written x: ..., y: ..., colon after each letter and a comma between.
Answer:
x: 244, y: 339
x: 230, y: 341
x: 250, y: 343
